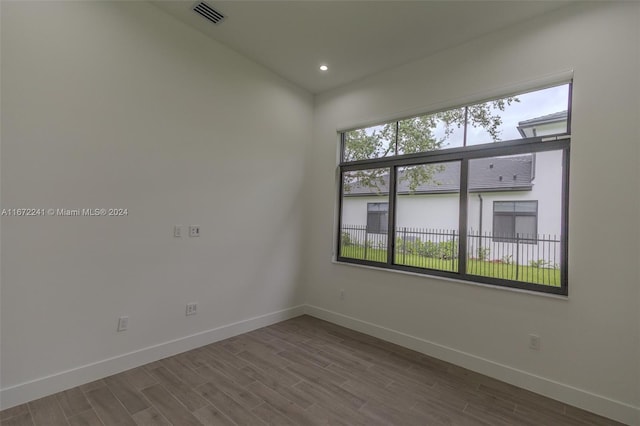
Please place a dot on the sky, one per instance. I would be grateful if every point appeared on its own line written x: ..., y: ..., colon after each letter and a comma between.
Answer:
x: 532, y: 104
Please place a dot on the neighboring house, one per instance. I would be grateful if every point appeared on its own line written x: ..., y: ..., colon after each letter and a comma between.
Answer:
x: 550, y: 124
x: 509, y: 197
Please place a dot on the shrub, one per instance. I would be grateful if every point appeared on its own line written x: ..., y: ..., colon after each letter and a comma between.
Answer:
x: 483, y: 253
x: 345, y: 239
x: 447, y: 250
x: 540, y: 263
x: 508, y: 259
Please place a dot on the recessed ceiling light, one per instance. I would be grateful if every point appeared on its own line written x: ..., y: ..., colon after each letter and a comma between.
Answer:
x: 323, y: 67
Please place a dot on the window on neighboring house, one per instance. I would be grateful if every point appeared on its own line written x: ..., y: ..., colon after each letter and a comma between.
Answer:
x: 478, y: 192
x: 515, y: 221
x: 377, y: 218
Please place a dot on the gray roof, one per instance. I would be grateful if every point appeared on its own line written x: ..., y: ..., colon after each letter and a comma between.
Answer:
x: 549, y: 118
x: 512, y: 173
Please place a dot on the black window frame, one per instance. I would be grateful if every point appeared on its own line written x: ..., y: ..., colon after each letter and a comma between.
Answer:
x: 530, y: 145
x: 513, y: 237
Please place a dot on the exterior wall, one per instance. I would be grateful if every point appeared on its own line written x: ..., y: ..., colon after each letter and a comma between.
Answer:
x: 417, y: 211
x: 547, y: 190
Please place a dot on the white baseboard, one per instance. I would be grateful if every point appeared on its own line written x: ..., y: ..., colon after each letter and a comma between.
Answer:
x: 34, y: 389
x: 598, y: 404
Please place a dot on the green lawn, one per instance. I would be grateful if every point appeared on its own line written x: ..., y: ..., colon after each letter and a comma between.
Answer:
x: 529, y: 274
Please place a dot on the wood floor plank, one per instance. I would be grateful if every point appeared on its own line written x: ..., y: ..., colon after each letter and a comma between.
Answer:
x: 271, y: 416
x: 240, y: 394
x: 491, y: 409
x: 225, y: 356
x: 282, y: 388
x: 402, y: 374
x: 262, y: 346
x: 140, y: 378
x: 108, y: 407
x: 22, y: 419
x: 289, y: 337
x: 183, y: 393
x: 284, y: 405
x: 211, y: 416
x: 451, y: 397
x: 47, y: 411
x: 377, y: 394
x: 528, y: 399
x: 128, y: 395
x: 234, y: 345
x: 186, y: 374
x: 330, y: 399
x: 435, y: 412
x: 228, y: 406
x: 169, y: 407
x: 284, y: 376
x: 86, y: 418
x: 14, y: 411
x: 587, y: 418
x: 526, y: 416
x: 324, y: 416
x: 150, y: 417
x: 73, y: 401
x: 261, y: 334
x: 305, y: 358
x: 368, y: 376
x: 266, y: 357
x: 315, y: 374
x: 196, y: 358
x: 343, y: 359
x: 88, y: 387
x: 206, y: 359
x: 388, y: 414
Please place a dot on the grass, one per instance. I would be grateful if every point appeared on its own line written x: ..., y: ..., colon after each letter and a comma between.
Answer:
x: 528, y: 274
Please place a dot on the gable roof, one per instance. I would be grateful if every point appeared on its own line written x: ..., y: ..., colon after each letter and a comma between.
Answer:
x: 512, y: 173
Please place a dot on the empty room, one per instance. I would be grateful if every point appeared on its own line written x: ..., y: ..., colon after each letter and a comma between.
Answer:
x: 319, y: 213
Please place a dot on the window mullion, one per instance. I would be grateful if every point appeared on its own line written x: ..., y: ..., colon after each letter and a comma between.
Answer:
x: 462, y: 226
x: 564, y: 247
x: 391, y: 228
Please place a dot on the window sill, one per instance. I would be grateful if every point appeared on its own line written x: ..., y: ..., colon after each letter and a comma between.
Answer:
x: 465, y: 282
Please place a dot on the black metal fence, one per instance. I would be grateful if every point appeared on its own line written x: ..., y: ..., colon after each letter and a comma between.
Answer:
x: 527, y: 258
x: 519, y: 257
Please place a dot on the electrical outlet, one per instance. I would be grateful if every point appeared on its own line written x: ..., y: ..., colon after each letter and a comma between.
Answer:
x: 177, y: 231
x: 534, y: 342
x: 192, y: 308
x: 123, y: 323
x: 194, y: 231
x: 342, y: 294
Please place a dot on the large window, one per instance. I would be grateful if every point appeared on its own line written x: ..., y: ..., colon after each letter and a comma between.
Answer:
x: 478, y: 192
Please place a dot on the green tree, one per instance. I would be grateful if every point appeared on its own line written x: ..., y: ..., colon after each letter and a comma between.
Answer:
x: 415, y: 135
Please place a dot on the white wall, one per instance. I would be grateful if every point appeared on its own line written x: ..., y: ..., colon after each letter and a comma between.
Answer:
x: 590, y: 345
x: 116, y: 104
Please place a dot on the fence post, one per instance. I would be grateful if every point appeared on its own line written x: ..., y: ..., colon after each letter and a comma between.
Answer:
x: 517, y: 254
x: 366, y: 237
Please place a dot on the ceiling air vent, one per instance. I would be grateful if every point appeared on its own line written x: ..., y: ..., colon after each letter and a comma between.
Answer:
x: 208, y: 12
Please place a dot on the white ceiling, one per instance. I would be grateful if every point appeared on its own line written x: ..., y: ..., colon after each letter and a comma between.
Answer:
x: 354, y: 38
